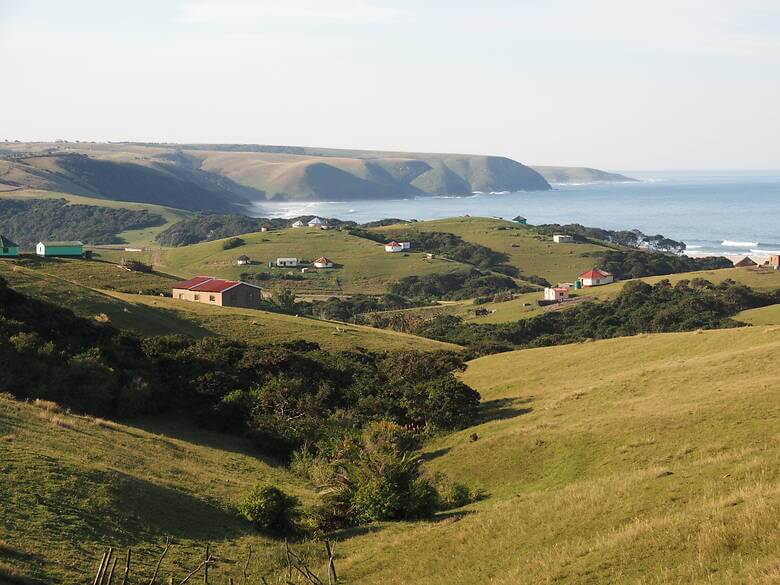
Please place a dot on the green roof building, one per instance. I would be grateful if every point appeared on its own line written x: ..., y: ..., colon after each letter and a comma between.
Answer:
x: 8, y: 249
x: 49, y: 249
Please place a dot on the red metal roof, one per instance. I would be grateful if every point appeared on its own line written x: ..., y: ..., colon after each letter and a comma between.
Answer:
x: 595, y: 273
x: 188, y: 284
x: 216, y: 285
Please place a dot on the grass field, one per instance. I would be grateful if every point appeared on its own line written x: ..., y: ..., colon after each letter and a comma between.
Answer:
x: 762, y: 316
x: 653, y: 459
x: 529, y: 251
x: 646, y: 460
x: 58, y: 282
x: 265, y: 327
x: 71, y: 486
x: 365, y: 267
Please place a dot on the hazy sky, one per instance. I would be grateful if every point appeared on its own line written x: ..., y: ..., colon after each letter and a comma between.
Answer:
x: 616, y: 84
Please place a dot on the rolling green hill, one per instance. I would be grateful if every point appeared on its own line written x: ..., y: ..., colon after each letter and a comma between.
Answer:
x: 661, y: 464
x: 762, y: 316
x: 103, y: 291
x: 529, y: 251
x: 363, y: 265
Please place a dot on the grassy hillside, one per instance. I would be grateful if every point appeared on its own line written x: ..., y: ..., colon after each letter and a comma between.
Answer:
x: 95, y: 290
x: 58, y: 283
x: 652, y: 460
x: 71, y: 486
x: 762, y: 316
x: 529, y: 251
x: 660, y: 465
x: 364, y: 266
x: 265, y: 327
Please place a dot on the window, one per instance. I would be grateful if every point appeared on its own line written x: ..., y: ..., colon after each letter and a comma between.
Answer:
x: 197, y: 297
x: 181, y: 295
x: 212, y: 298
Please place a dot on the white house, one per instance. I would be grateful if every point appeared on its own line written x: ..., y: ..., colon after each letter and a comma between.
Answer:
x: 595, y: 277
x: 322, y: 262
x: 287, y: 262
x: 393, y: 247
x: 315, y: 222
x: 244, y: 260
x: 298, y: 224
x: 556, y: 293
x: 562, y: 239
x: 406, y: 245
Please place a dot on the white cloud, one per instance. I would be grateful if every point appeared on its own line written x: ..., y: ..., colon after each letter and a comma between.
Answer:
x: 317, y: 11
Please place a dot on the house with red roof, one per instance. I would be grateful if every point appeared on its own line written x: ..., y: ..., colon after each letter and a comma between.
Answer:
x: 219, y: 292
x: 556, y: 293
x: 595, y: 277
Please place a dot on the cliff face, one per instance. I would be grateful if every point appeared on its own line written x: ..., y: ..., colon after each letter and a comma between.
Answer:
x: 226, y: 177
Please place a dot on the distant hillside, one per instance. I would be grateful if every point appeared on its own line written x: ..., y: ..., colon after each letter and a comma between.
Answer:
x: 564, y: 175
x: 227, y: 177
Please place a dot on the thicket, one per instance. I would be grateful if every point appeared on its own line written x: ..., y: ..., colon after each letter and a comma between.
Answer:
x: 453, y: 286
x: 638, y: 263
x: 638, y: 308
x: 630, y: 238
x: 29, y: 221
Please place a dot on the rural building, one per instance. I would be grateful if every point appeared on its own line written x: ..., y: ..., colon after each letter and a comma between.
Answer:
x: 244, y: 260
x: 562, y: 239
x: 215, y: 291
x: 8, y: 249
x: 264, y: 228
x: 745, y: 262
x: 287, y: 262
x: 556, y: 293
x: 322, y: 262
x: 595, y: 277
x: 393, y: 247
x: 298, y: 224
x: 520, y: 219
x: 774, y: 262
x: 49, y: 249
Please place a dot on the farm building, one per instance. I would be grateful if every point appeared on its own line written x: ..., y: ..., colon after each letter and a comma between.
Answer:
x: 562, y: 239
x: 298, y: 224
x: 287, y: 262
x: 774, y: 262
x: 745, y: 262
x: 264, y: 228
x: 393, y: 247
x: 322, y: 262
x: 595, y: 277
x: 49, y: 249
x: 556, y: 293
x: 215, y: 291
x: 315, y: 222
x: 244, y: 260
x: 521, y: 220
x: 8, y: 249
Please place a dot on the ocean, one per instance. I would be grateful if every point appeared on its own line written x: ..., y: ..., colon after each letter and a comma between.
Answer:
x: 714, y: 213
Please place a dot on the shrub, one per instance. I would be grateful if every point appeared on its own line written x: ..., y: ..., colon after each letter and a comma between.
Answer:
x: 232, y: 243
x: 270, y: 510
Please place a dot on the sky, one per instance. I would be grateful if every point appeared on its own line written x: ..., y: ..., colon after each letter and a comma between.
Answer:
x: 613, y: 84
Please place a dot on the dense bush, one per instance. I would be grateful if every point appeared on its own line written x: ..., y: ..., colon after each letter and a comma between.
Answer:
x: 453, y: 286
x: 231, y: 243
x: 638, y: 263
x: 639, y: 308
x: 629, y: 238
x: 270, y: 510
x: 31, y: 220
